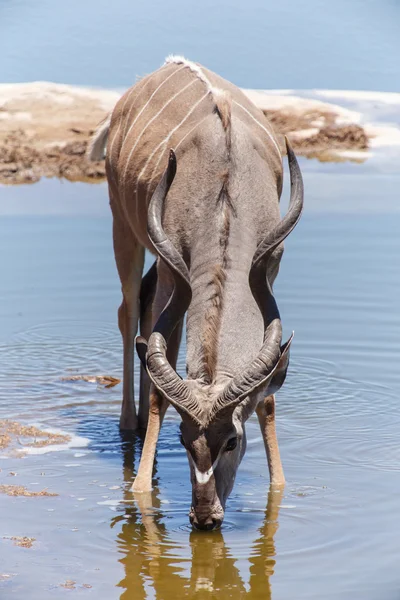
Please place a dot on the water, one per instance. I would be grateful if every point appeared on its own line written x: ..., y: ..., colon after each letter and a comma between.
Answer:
x: 256, y: 44
x: 334, y: 531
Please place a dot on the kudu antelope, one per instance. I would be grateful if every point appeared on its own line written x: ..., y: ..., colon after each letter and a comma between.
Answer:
x: 209, y: 210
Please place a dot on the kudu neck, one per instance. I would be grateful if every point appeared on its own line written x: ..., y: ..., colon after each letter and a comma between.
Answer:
x: 224, y: 324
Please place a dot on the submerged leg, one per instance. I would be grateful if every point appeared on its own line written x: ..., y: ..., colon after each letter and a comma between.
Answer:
x: 157, y: 409
x: 157, y: 403
x: 266, y: 417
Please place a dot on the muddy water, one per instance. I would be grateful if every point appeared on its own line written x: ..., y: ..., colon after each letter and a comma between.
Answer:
x: 333, y: 533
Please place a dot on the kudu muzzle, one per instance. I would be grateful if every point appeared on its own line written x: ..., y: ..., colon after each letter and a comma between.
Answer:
x: 206, y: 512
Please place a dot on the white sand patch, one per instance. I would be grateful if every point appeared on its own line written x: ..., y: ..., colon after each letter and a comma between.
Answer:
x: 376, y: 97
x: 57, y: 93
x: 266, y: 100
x: 305, y: 133
x: 75, y: 442
x: 356, y: 155
x: 15, y: 116
x: 382, y: 136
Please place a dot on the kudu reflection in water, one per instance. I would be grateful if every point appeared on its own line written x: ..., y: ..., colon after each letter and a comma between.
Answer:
x: 153, y: 562
x: 213, y: 221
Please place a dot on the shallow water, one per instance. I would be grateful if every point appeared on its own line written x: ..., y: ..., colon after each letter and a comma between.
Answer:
x: 334, y: 531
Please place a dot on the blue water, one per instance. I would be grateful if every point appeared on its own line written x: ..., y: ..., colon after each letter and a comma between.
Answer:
x: 257, y: 44
x: 334, y: 531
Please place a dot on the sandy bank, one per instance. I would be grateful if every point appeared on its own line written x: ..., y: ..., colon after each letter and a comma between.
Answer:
x: 45, y: 128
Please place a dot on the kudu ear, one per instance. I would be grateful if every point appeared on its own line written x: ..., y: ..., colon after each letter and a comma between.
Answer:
x: 279, y: 375
x: 141, y: 349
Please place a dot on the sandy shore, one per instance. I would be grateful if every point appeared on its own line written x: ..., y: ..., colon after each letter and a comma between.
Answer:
x: 45, y: 129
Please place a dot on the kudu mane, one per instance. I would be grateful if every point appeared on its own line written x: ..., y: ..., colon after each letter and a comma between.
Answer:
x: 213, y: 313
x: 224, y: 203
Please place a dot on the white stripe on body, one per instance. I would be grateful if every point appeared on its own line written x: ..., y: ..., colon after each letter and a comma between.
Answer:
x: 151, y: 121
x: 210, y: 89
x: 260, y: 125
x: 190, y: 131
x: 179, y: 60
x: 164, y: 142
x: 123, y: 107
x: 120, y: 121
x: 175, y: 149
x: 146, y: 104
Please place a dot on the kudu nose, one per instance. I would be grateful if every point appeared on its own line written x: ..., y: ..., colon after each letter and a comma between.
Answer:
x: 207, y: 523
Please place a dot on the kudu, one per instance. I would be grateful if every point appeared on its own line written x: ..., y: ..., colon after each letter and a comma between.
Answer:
x: 213, y: 222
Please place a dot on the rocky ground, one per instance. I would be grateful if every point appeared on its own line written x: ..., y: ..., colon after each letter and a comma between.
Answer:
x: 45, y: 129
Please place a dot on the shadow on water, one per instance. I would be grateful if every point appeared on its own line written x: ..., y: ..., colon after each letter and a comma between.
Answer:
x: 156, y: 566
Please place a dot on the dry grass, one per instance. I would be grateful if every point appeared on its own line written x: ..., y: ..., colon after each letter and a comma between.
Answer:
x: 5, y: 440
x: 107, y: 380
x: 26, y: 435
x: 21, y: 541
x: 327, y: 134
x: 68, y: 585
x: 20, y: 490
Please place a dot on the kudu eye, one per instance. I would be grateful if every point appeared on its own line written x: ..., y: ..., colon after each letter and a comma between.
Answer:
x: 231, y: 445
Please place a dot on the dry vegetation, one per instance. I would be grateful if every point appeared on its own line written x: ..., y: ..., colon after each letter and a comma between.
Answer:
x: 316, y: 132
x: 20, y: 490
x: 107, y: 380
x: 21, y: 541
x: 13, y: 434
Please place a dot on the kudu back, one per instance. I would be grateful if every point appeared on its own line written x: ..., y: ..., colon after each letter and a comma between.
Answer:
x: 195, y: 175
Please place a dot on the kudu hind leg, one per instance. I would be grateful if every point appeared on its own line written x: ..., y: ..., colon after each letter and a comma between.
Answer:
x: 266, y: 418
x: 147, y: 294
x: 129, y: 257
x: 157, y: 409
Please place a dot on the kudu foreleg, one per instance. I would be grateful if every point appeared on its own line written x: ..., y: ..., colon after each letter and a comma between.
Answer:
x: 157, y: 409
x: 266, y: 418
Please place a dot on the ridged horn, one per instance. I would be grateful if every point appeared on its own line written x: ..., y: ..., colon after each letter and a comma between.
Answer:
x: 268, y: 362
x: 160, y: 371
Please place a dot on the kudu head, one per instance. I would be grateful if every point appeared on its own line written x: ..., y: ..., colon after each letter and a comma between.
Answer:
x: 213, y: 416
